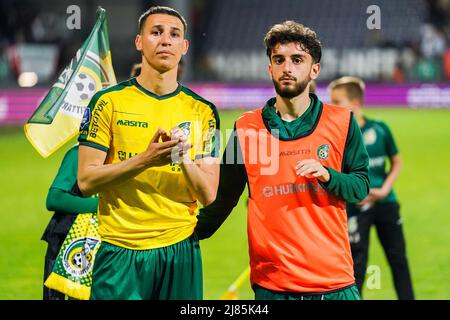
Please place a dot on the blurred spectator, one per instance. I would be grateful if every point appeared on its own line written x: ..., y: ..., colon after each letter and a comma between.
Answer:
x: 404, y: 67
x: 6, y: 21
x: 433, y: 42
x: 49, y: 27
x: 24, y: 13
x: 446, y: 63
x: 428, y: 70
x: 438, y: 12
x: 399, y: 73
x: 40, y: 22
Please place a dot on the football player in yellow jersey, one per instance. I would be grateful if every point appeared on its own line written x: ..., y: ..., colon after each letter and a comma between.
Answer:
x: 148, y: 148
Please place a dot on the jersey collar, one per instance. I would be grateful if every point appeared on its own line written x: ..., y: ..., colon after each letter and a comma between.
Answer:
x: 153, y: 95
x: 300, y: 127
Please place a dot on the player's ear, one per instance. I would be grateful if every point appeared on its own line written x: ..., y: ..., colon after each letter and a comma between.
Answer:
x: 269, y: 70
x: 138, y: 43
x: 185, y: 46
x: 356, y: 103
x: 315, y: 70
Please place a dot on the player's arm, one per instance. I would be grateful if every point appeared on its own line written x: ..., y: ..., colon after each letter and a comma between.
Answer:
x: 395, y: 166
x: 202, y: 174
x: 202, y: 178
x: 60, y: 197
x: 63, y: 201
x: 381, y: 193
x: 232, y: 180
x: 352, y: 184
x: 94, y: 175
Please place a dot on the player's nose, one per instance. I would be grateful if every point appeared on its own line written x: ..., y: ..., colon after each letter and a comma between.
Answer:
x: 166, y: 39
x: 287, y: 67
x: 287, y: 72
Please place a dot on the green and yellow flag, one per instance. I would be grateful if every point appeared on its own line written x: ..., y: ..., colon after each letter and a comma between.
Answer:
x: 57, y: 119
x: 72, y: 272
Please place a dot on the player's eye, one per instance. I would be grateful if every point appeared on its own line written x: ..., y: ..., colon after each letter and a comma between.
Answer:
x: 278, y: 60
x: 297, y: 60
x: 156, y: 33
x: 175, y: 34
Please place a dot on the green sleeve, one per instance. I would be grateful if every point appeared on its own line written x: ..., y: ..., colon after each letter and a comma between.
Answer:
x: 391, y: 147
x: 67, y: 172
x: 65, y: 202
x: 352, y: 184
x: 232, y: 182
x: 60, y: 197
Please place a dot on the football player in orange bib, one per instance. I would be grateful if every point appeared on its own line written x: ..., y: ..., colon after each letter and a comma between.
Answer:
x: 302, y: 161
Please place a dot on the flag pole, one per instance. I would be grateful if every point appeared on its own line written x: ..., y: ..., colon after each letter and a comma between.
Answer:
x: 231, y: 293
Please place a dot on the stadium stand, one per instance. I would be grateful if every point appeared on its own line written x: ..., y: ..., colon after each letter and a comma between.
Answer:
x: 339, y: 26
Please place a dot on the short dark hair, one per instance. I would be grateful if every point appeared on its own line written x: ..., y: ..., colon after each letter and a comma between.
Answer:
x: 354, y: 87
x: 291, y: 31
x: 161, y: 10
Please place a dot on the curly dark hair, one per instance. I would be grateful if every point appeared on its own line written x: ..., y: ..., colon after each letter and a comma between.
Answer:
x: 291, y: 31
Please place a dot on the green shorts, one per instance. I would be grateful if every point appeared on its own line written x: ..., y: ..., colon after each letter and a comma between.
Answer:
x: 168, y: 273
x: 347, y: 293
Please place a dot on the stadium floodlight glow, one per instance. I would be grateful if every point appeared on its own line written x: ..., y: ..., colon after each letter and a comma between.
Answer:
x: 27, y: 79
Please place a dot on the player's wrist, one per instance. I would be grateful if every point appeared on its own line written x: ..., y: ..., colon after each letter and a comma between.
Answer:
x: 385, y: 190
x: 185, y: 160
x: 325, y: 178
x: 142, y: 160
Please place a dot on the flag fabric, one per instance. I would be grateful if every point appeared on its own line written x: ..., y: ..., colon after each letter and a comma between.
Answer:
x: 57, y: 118
x: 72, y: 271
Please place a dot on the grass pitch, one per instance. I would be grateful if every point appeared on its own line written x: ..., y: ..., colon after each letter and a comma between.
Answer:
x: 423, y: 138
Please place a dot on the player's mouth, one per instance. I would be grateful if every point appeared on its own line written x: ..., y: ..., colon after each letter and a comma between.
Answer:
x: 164, y: 53
x: 287, y: 80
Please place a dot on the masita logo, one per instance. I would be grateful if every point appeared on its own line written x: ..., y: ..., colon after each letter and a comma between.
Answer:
x: 132, y: 123
x: 78, y: 256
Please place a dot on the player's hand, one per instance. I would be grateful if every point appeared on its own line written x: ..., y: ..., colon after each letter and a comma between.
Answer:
x: 378, y: 193
x: 366, y: 203
x: 177, y: 133
x: 159, y: 153
x: 164, y: 136
x: 181, y: 154
x: 311, y: 168
x: 375, y: 194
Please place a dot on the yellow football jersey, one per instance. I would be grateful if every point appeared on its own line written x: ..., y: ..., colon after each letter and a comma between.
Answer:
x: 155, y: 208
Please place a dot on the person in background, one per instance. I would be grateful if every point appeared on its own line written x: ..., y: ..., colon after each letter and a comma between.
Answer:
x: 380, y: 208
x: 66, y: 200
